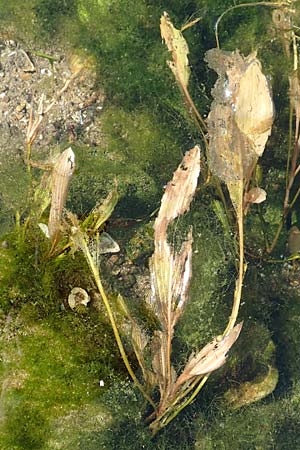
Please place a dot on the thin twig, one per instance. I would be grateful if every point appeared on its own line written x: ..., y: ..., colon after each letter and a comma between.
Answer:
x: 242, y: 5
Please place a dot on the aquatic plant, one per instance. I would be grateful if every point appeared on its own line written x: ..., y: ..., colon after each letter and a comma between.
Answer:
x: 224, y: 130
x: 170, y: 277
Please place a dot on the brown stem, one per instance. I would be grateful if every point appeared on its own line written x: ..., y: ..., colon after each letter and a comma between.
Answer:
x: 239, y: 282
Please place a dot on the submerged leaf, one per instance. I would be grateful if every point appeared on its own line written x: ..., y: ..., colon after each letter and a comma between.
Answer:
x: 294, y: 240
x: 61, y: 175
x: 139, y: 341
x: 211, y: 357
x: 107, y: 244
x: 254, y: 107
x: 159, y: 359
x: 42, y: 196
x: 101, y: 213
x: 170, y: 279
x: 255, y: 195
x: 179, y: 192
x: 179, y: 48
x: 44, y: 229
x: 241, y: 114
x: 171, y: 270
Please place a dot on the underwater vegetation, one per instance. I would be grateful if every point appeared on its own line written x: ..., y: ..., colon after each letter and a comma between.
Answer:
x: 140, y: 309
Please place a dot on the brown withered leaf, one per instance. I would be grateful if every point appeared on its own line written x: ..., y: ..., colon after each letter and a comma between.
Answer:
x: 62, y: 172
x: 161, y: 264
x: 230, y: 154
x: 182, y: 273
x: 179, y: 192
x: 255, y: 195
x: 139, y: 341
x: 159, y: 359
x: 254, y: 110
x: 241, y: 114
x: 211, y: 357
x: 170, y: 270
x: 170, y: 278
x: 178, y: 47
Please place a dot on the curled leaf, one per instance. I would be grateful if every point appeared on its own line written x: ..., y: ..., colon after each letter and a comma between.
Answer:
x: 255, y: 195
x: 211, y: 357
x: 61, y: 175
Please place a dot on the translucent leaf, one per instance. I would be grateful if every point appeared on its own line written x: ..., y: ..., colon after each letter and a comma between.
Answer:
x: 107, y: 244
x: 170, y: 279
x: 236, y: 189
x: 254, y: 107
x: 230, y: 152
x: 42, y: 196
x: 241, y: 114
x: 44, y: 229
x: 159, y: 359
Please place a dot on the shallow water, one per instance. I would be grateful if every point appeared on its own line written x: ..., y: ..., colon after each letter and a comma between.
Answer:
x: 63, y: 382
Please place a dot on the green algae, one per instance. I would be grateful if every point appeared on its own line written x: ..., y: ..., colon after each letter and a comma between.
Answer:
x: 46, y: 381
x: 51, y: 369
x: 212, y: 280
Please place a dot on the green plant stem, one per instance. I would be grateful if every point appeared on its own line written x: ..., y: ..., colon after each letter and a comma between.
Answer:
x: 171, y: 412
x: 28, y: 157
x: 276, y: 237
x: 284, y: 215
x: 112, y: 320
x: 187, y: 402
x: 242, y: 5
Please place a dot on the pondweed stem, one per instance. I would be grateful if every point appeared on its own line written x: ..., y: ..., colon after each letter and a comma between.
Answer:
x: 171, y: 412
x: 239, y: 283
x: 28, y: 156
x: 96, y: 275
